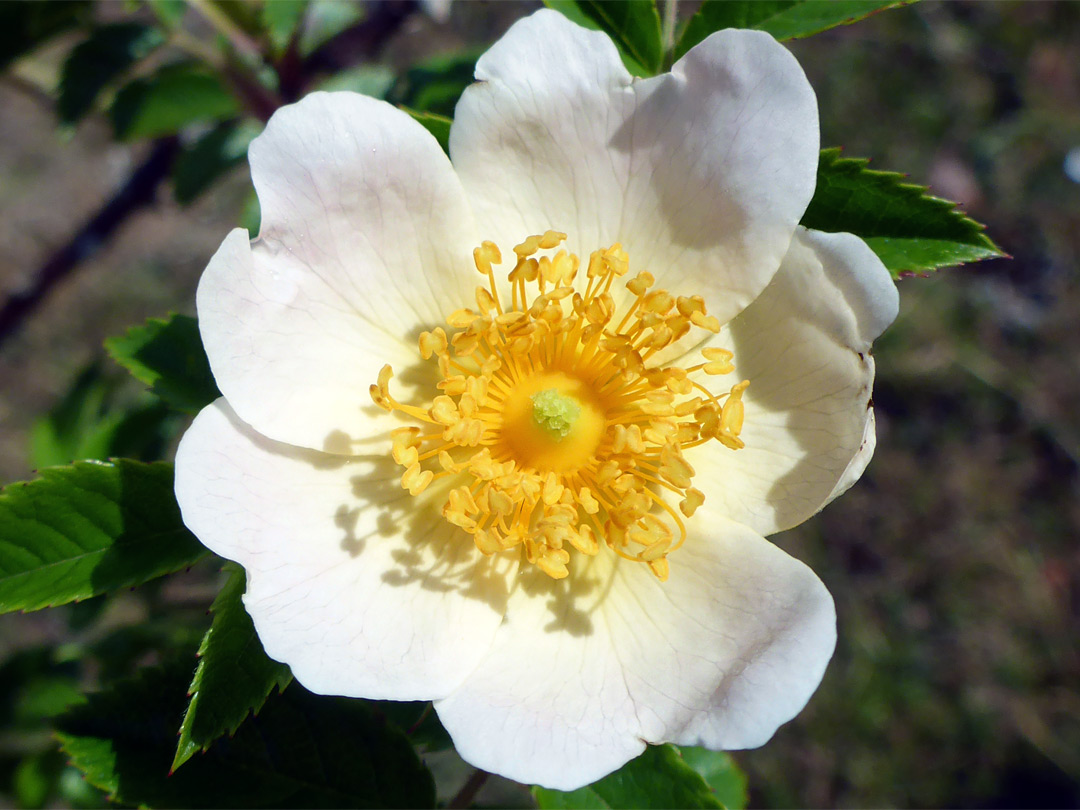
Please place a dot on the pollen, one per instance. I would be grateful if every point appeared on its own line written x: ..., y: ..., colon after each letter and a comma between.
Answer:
x: 555, y: 430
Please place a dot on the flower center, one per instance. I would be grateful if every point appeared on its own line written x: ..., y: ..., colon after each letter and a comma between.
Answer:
x: 555, y: 426
x: 555, y: 413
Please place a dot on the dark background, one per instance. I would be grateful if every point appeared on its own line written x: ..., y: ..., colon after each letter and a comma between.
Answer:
x: 954, y: 562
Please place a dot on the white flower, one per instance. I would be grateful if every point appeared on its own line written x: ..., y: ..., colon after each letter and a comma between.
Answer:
x: 544, y: 585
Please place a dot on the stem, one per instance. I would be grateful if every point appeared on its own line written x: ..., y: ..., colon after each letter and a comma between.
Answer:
x: 236, y: 36
x: 139, y: 190
x: 465, y: 796
x: 259, y: 100
x: 671, y: 15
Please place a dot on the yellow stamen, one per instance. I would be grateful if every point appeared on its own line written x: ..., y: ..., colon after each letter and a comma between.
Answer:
x: 550, y: 426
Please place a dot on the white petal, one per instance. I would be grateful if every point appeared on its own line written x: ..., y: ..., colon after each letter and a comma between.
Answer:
x: 362, y: 589
x: 585, y: 671
x: 701, y: 174
x: 805, y: 347
x: 775, y: 618
x: 857, y: 466
x: 366, y: 240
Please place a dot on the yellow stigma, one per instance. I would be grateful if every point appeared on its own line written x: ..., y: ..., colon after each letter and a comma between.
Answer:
x: 554, y: 428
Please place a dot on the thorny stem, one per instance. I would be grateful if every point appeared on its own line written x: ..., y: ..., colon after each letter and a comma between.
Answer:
x: 467, y: 794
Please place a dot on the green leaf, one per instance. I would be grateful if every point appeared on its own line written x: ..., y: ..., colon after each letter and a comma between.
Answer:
x: 210, y: 157
x: 101, y: 58
x: 281, y: 19
x: 784, y: 19
x: 169, y: 100
x: 437, y: 125
x: 418, y: 720
x: 88, y: 529
x: 169, y: 12
x: 34, y: 779
x: 722, y: 774
x: 35, y: 685
x: 436, y: 84
x: 25, y: 26
x: 234, y: 676
x: 167, y: 355
x: 371, y: 80
x: 299, y: 751
x: 87, y: 424
x: 633, y: 24
x: 251, y: 216
x: 659, y: 778
x: 912, y: 231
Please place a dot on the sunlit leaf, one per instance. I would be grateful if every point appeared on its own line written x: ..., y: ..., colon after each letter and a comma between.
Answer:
x: 234, y: 676
x: 87, y: 529
x: 167, y: 355
x: 908, y: 228
x: 784, y: 19
x: 659, y: 778
x: 719, y: 770
x: 437, y: 125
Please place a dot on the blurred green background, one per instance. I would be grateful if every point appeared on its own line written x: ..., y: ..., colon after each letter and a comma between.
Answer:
x: 954, y: 562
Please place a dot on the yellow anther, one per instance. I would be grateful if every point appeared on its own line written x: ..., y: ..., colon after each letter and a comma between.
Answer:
x: 640, y: 283
x: 484, y: 300
x: 380, y: 391
x: 554, y: 568
x: 674, y: 468
x: 707, y: 322
x: 553, y: 489
x: 617, y: 260
x: 607, y: 472
x: 589, y: 504
x: 416, y: 479
x: 688, y: 406
x: 528, y: 247
x: 655, y: 551
x: 501, y: 502
x: 660, y: 568
x: 454, y: 386
x: 576, y: 344
x: 716, y: 353
x: 688, y: 306
x: 550, y: 239
x: 627, y: 440
x: 719, y: 361
x: 731, y: 416
x: 658, y: 301
x: 487, y: 542
x: 584, y: 540
x: 657, y: 408
x: 596, y: 265
x: 693, y: 499
x: 679, y: 326
x: 600, y: 309
x: 485, y: 256
x: 433, y: 342
x: 444, y: 411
